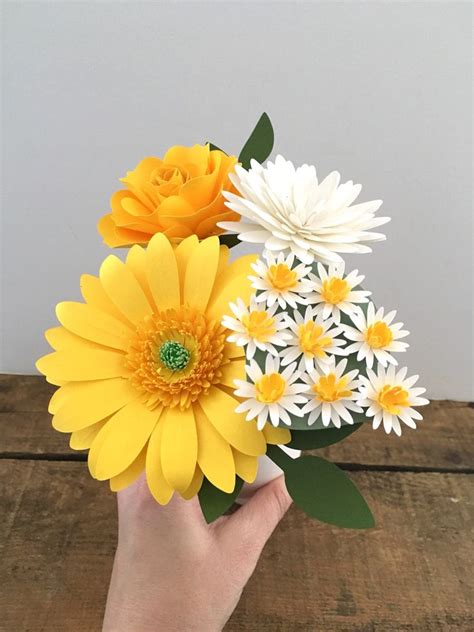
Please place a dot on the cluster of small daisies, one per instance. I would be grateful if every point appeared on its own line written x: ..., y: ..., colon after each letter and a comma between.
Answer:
x: 302, y: 325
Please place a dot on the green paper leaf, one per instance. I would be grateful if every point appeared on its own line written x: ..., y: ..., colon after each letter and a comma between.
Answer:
x: 213, y: 147
x: 215, y: 502
x: 260, y: 143
x: 323, y: 491
x: 304, y: 440
x: 229, y: 240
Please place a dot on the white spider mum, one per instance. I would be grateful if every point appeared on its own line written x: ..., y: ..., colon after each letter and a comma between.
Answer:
x: 332, y: 394
x: 288, y: 209
x: 256, y: 327
x: 280, y: 281
x: 334, y: 293
x: 390, y: 397
x: 375, y: 336
x: 272, y: 395
x: 312, y: 340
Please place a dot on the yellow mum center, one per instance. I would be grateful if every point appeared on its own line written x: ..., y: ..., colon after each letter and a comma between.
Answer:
x: 393, y: 398
x: 329, y: 389
x: 378, y: 335
x: 335, y: 290
x: 312, y: 340
x: 259, y: 325
x: 270, y: 388
x: 176, y: 356
x: 281, y: 277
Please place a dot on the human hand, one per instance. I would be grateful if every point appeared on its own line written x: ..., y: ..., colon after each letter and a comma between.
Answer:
x: 173, y: 571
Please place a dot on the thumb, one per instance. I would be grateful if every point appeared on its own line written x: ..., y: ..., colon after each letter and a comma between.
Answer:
x: 257, y: 519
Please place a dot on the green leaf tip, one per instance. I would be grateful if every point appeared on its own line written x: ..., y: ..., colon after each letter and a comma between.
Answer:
x: 323, y: 491
x: 259, y: 144
x: 215, y: 502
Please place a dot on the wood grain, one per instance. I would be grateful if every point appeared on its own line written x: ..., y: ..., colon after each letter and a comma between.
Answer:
x: 410, y: 573
x: 445, y: 439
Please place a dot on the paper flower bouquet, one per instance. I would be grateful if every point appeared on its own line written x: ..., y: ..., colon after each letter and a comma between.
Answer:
x: 190, y: 367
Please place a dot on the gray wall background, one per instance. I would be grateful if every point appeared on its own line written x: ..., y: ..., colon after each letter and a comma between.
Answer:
x: 379, y: 91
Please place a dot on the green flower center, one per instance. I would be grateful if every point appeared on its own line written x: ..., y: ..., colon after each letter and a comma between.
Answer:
x: 174, y: 355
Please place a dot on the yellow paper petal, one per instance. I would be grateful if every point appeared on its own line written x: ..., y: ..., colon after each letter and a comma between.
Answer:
x: 179, y: 447
x: 136, y: 261
x: 60, y: 338
x: 95, y: 295
x: 95, y: 448
x: 93, y: 324
x: 58, y: 397
x: 219, y: 408
x: 241, y: 267
x: 276, y: 436
x: 162, y: 273
x: 126, y: 434
x: 161, y: 491
x: 201, y: 273
x: 84, y: 403
x: 239, y: 287
x: 214, y: 454
x: 82, y: 439
x: 130, y: 475
x: 124, y: 290
x: 184, y: 156
x: 231, y: 371
x: 245, y: 466
x: 195, y: 486
x: 182, y: 253
x: 81, y: 364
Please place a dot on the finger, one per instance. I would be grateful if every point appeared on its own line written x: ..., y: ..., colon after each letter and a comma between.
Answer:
x: 256, y: 520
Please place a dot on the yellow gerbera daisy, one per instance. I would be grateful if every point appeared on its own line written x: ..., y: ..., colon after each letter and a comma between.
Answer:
x: 146, y: 373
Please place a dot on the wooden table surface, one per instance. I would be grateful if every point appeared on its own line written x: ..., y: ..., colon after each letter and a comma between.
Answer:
x: 414, y: 571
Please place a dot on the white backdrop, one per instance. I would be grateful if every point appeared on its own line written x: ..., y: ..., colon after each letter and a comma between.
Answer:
x: 379, y: 91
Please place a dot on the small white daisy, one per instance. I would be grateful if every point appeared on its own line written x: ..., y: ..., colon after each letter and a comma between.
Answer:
x: 270, y: 396
x: 390, y: 397
x: 334, y: 293
x: 374, y: 336
x: 312, y: 339
x: 280, y: 282
x: 332, y: 394
x: 256, y: 327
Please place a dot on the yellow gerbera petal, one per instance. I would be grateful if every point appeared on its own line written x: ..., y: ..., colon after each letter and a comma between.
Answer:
x: 124, y: 290
x: 84, y: 403
x: 201, y: 273
x: 182, y: 253
x: 162, y: 272
x: 82, y: 439
x: 130, y: 475
x: 81, y: 364
x: 219, y: 408
x: 245, y: 466
x: 95, y: 295
x: 231, y: 371
x: 276, y: 436
x: 136, y: 261
x: 59, y: 338
x: 161, y: 491
x: 93, y: 324
x: 238, y: 287
x: 125, y: 435
x: 214, y: 454
x: 240, y: 267
x: 195, y: 486
x: 57, y: 399
x: 179, y: 447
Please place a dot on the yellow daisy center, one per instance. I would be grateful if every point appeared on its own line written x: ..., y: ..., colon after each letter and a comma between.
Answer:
x: 270, y: 388
x: 259, y: 325
x: 378, y: 335
x: 312, y: 340
x: 329, y: 389
x: 176, y: 356
x: 393, y: 398
x: 282, y: 277
x: 335, y: 290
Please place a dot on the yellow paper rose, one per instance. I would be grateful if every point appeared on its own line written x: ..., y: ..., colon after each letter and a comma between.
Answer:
x: 178, y: 195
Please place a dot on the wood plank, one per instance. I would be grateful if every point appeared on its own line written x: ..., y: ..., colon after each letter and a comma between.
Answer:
x: 411, y: 573
x: 443, y: 440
